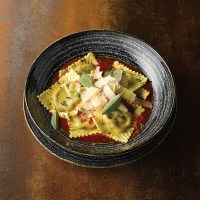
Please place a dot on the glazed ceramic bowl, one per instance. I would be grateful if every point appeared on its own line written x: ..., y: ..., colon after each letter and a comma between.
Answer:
x: 105, y: 43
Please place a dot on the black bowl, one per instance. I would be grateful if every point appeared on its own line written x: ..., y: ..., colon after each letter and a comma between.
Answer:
x: 105, y: 43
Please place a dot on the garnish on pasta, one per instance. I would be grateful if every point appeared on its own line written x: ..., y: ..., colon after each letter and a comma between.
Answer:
x: 99, y: 96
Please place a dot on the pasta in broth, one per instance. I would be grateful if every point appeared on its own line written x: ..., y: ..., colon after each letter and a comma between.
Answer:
x: 100, y: 100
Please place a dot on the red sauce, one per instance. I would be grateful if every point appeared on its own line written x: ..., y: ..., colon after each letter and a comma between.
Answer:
x: 63, y: 124
x: 105, y: 64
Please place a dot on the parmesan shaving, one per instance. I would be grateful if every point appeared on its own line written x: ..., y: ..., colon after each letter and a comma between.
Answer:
x: 112, y: 86
x: 117, y: 74
x: 89, y: 93
x: 143, y: 103
x: 88, y: 106
x: 103, y: 100
x: 97, y: 74
x: 95, y: 101
x: 103, y: 81
x: 108, y: 92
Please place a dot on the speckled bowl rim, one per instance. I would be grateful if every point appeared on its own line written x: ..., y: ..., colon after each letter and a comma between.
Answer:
x: 146, y: 46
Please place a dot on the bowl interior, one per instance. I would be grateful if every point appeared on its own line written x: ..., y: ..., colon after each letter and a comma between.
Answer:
x: 105, y: 43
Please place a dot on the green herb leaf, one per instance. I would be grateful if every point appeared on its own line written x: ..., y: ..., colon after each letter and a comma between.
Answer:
x: 87, y: 70
x: 86, y: 80
x: 64, y: 103
x: 55, y: 120
x: 110, y: 72
x: 107, y: 73
x: 137, y: 79
x: 67, y: 85
x: 82, y: 59
x: 112, y: 104
x: 78, y: 94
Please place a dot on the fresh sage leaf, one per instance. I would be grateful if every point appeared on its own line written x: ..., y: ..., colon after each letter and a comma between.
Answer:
x: 112, y: 104
x: 55, y: 120
x: 107, y: 73
x: 86, y: 80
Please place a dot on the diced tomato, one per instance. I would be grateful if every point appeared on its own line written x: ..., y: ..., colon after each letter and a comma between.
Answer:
x: 90, y: 121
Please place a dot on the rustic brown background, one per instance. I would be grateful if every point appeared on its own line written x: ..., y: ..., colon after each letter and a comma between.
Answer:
x: 28, y: 171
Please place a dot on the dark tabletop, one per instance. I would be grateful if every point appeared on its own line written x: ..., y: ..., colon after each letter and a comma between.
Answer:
x: 28, y: 171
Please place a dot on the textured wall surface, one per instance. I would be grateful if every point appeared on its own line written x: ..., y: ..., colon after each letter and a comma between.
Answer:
x: 28, y: 171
